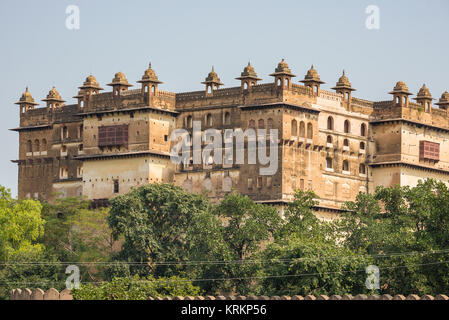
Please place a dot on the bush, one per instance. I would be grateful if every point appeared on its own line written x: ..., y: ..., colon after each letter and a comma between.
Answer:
x: 136, y: 288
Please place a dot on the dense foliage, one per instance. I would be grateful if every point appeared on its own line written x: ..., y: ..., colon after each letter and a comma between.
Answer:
x: 136, y: 288
x: 161, y: 240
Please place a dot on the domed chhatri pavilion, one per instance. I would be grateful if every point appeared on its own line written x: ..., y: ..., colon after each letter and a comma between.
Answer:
x: 329, y: 141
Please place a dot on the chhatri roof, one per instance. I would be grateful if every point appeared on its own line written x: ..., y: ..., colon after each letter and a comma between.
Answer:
x: 343, y: 83
x: 91, y: 83
x: 53, y: 95
x: 282, y: 69
x: 212, y: 77
x: 423, y: 93
x: 120, y: 79
x: 26, y: 98
x: 248, y: 73
x: 400, y: 87
x: 312, y: 76
x: 149, y: 76
x: 444, y: 100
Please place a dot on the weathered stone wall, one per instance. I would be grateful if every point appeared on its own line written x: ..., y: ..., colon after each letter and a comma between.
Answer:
x: 53, y: 294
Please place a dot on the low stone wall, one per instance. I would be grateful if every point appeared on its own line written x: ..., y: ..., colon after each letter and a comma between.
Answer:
x: 53, y: 294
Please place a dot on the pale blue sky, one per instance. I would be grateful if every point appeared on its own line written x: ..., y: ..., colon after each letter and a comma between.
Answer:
x: 183, y: 39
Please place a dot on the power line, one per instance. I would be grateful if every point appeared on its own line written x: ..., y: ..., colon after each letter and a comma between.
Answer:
x: 250, y: 278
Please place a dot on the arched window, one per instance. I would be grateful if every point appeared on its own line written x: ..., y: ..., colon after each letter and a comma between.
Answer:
x: 261, y: 124
x: 270, y: 123
x: 227, y: 118
x: 65, y: 132
x: 363, y: 130
x: 309, y: 131
x: 80, y: 132
x: 44, y: 145
x: 330, y: 123
x: 29, y: 146
x: 345, y: 165
x: 362, y: 169
x: 302, y: 129
x: 347, y: 126
x: 209, y: 119
x: 189, y: 123
x: 362, y: 145
x: 329, y: 163
x: 294, y: 128
x: 252, y: 123
x: 329, y: 139
x: 37, y: 145
x: 346, y: 143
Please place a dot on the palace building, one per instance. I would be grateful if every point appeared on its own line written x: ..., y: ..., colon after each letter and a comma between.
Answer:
x: 330, y: 142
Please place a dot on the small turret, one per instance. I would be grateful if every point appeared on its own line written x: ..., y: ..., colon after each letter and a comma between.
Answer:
x: 400, y: 94
x: 89, y: 87
x: 149, y: 83
x: 283, y: 75
x: 119, y: 84
x: 424, y: 98
x: 53, y: 99
x: 443, y: 103
x: 26, y: 102
x: 248, y: 77
x: 312, y: 80
x: 345, y: 88
x: 212, y: 82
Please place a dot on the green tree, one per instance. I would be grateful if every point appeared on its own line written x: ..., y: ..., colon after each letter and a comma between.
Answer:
x: 74, y: 233
x: 154, y: 221
x: 21, y: 225
x: 407, y: 230
x: 246, y: 226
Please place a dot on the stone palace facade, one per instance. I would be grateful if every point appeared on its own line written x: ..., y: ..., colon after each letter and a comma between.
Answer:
x: 330, y: 142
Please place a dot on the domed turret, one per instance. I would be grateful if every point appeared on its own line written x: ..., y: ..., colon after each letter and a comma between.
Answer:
x: 248, y: 77
x: 443, y: 103
x: 212, y: 81
x: 424, y: 98
x: 312, y: 80
x: 149, y: 82
x: 26, y: 101
x: 53, y: 99
x: 400, y: 94
x: 344, y: 87
x: 90, y: 86
x: 283, y: 75
x: 26, y: 98
x: 119, y: 83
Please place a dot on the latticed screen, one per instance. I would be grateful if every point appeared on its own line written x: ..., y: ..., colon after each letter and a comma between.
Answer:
x: 112, y: 135
x: 429, y: 150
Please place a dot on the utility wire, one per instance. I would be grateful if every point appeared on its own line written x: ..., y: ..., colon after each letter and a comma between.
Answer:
x: 226, y: 262
x: 249, y: 278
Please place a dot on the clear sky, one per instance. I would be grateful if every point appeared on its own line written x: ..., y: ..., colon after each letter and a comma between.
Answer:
x: 183, y: 39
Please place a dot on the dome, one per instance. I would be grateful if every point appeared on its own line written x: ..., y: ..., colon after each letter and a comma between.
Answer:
x: 119, y: 79
x: 149, y: 76
x: 26, y: 98
x: 400, y: 87
x: 248, y: 72
x: 282, y: 69
x: 53, y: 95
x: 444, y: 100
x: 424, y: 92
x: 312, y: 76
x: 91, y: 82
x: 212, y: 77
x: 343, y: 81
